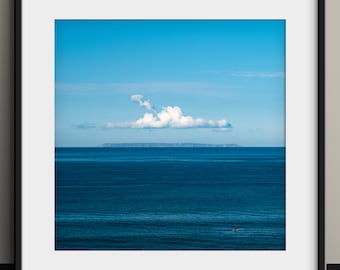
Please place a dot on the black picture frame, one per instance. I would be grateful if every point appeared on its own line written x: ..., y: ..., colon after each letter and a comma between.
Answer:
x: 321, y: 138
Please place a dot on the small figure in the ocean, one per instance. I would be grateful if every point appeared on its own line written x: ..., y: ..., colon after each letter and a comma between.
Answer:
x: 235, y: 229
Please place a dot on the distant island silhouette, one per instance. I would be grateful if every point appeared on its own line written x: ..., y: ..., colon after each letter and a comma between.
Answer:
x: 159, y: 145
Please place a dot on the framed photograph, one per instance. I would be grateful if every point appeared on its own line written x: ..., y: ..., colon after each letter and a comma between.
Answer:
x: 169, y: 135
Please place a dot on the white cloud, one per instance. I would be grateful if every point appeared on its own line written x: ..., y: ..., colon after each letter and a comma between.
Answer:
x: 141, y: 102
x: 85, y: 125
x: 110, y: 125
x: 168, y: 117
x: 259, y: 74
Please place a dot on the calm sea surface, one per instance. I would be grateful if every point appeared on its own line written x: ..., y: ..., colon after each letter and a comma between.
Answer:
x: 170, y: 198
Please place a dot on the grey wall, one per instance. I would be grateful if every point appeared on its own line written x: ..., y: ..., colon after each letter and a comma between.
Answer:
x: 6, y: 131
x: 332, y: 131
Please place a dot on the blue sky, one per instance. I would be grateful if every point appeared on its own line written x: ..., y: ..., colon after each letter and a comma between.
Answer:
x: 169, y: 81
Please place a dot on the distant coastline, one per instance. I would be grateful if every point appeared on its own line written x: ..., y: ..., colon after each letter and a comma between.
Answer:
x: 166, y: 145
x: 171, y: 145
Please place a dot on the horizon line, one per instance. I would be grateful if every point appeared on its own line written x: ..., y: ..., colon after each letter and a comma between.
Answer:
x: 178, y: 145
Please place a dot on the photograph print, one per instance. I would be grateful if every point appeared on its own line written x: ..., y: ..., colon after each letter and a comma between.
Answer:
x: 170, y: 135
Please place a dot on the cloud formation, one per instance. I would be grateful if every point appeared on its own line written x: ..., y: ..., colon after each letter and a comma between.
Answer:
x: 141, y: 102
x: 168, y: 117
x: 259, y: 74
x: 85, y: 125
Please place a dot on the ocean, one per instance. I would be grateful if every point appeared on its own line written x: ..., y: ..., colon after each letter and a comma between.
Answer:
x: 211, y: 198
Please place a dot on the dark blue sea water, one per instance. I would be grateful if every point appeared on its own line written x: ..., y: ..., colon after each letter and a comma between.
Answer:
x: 170, y: 198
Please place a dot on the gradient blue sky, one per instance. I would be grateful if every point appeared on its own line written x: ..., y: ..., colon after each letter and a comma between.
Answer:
x: 212, y: 70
